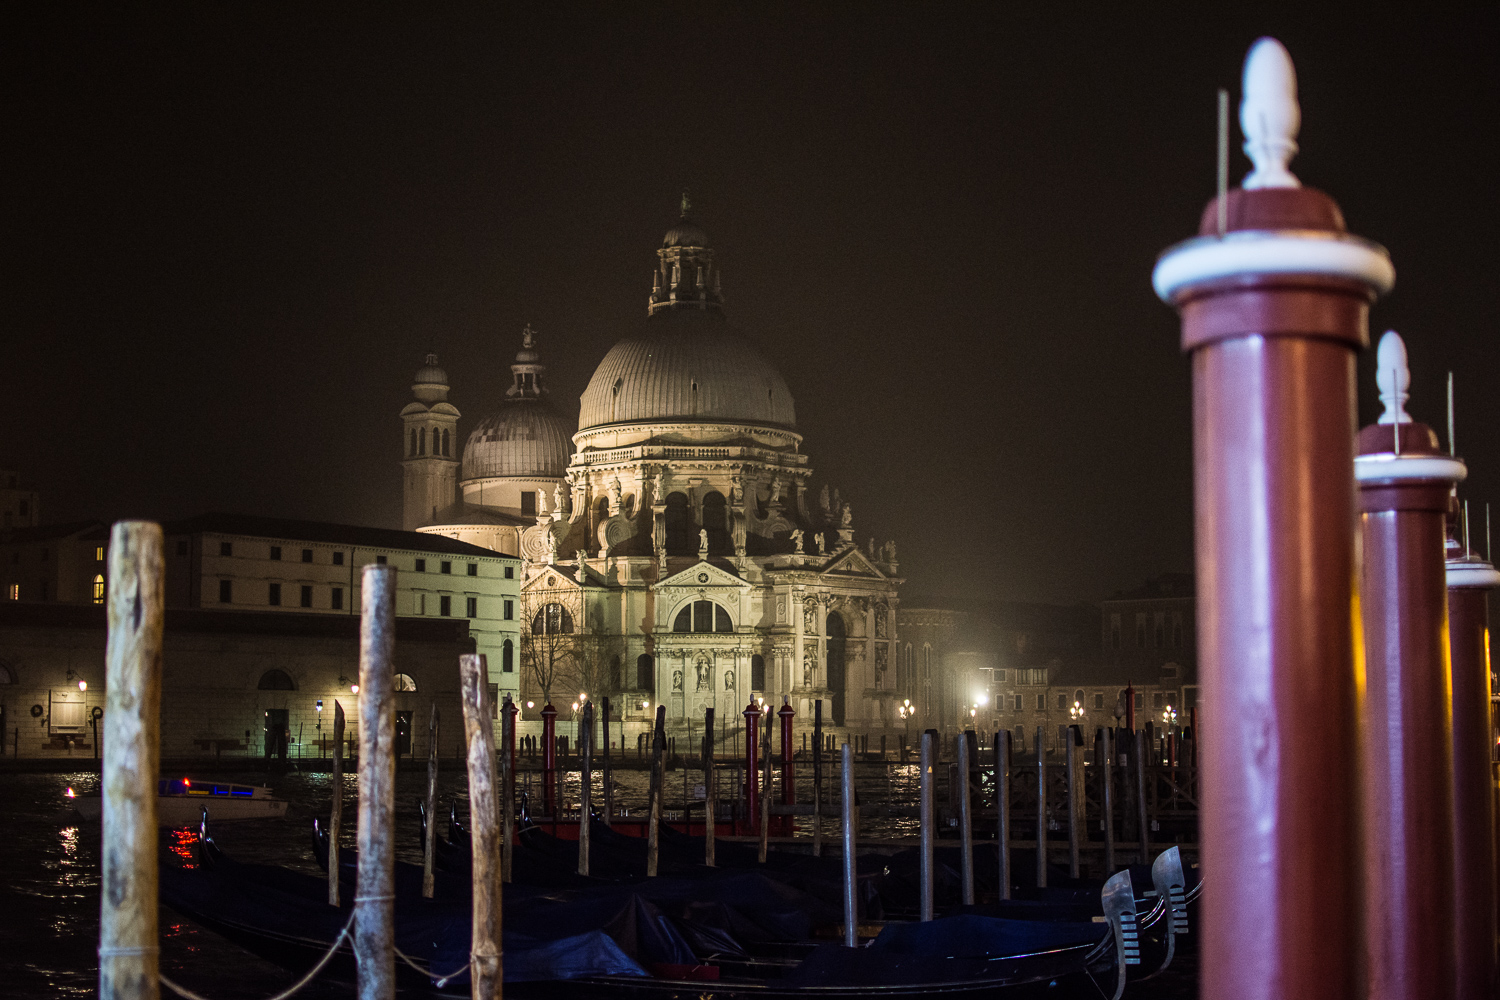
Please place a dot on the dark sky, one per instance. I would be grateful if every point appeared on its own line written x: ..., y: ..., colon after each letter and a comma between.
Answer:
x: 234, y: 233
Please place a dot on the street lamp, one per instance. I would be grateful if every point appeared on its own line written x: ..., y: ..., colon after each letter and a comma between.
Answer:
x: 1169, y: 715
x: 1076, y: 712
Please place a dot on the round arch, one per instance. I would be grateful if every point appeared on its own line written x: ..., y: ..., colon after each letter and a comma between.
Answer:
x: 276, y: 680
x: 838, y: 674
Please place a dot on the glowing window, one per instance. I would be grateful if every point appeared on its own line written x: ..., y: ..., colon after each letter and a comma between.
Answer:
x: 404, y: 682
x: 98, y: 589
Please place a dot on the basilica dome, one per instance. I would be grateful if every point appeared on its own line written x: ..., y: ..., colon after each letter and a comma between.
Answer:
x: 525, y: 437
x: 686, y: 365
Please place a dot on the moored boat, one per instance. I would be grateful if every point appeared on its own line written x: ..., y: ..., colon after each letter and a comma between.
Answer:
x: 181, y: 801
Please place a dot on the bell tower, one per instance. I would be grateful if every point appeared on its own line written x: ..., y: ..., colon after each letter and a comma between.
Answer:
x: 429, y: 448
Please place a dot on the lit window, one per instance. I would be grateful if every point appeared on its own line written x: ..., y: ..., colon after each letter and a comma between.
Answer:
x: 98, y: 589
x: 553, y: 619
x: 404, y: 682
x: 98, y: 553
x: 703, y: 616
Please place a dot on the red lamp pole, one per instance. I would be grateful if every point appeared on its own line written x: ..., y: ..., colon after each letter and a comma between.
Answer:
x: 752, y: 765
x: 1274, y: 298
x: 1470, y: 580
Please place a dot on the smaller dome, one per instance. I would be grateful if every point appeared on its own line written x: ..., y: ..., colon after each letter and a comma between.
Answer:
x: 430, y: 373
x: 686, y: 233
x: 525, y: 437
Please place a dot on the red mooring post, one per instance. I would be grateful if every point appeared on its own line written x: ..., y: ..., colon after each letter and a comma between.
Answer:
x: 788, y: 777
x: 1407, y: 730
x: 1274, y: 298
x: 1470, y: 580
x: 549, y: 761
x: 752, y: 770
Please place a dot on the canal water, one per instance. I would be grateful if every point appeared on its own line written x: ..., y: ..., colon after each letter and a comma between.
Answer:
x: 49, y: 873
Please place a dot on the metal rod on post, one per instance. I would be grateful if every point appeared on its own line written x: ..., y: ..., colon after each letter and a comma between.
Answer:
x: 927, y: 823
x: 128, y: 941
x: 1140, y: 796
x: 375, y: 886
x: 1107, y: 772
x: 485, y: 974
x: 585, y: 785
x: 1002, y: 808
x: 710, y: 813
x: 429, y: 837
x: 658, y: 776
x: 965, y: 823
x: 765, y: 799
x: 508, y: 712
x: 336, y: 809
x: 851, y: 900
x: 1041, y: 811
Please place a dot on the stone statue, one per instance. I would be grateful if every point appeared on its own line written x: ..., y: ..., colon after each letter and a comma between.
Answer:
x: 557, y: 497
x: 809, y: 666
x: 737, y: 493
x: 614, y: 494
x: 775, y: 490
x: 817, y: 543
x: 729, y: 680
x: 872, y: 546
x: 890, y: 551
x: 810, y: 615
x: 551, y: 546
x: 847, y: 518
x: 528, y: 337
x: 702, y: 543
x: 541, y: 502
x: 677, y: 680
x: 797, y: 540
x: 823, y: 500
x: 701, y: 667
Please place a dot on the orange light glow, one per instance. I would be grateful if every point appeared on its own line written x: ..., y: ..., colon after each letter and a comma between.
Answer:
x: 71, y: 794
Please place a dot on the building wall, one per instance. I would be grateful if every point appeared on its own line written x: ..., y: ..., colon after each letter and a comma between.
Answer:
x: 212, y: 664
x: 19, y: 507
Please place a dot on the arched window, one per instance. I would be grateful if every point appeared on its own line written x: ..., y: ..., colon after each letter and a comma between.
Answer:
x: 276, y: 680
x: 508, y: 657
x: 552, y: 620
x: 98, y: 589
x: 413, y: 449
x: 445, y: 442
x: 7, y: 675
x: 645, y: 672
x: 702, y: 616
x: 1160, y: 638
x: 758, y: 672
x: 1078, y: 697
x: 716, y: 522
x: 422, y: 441
x: 679, y: 524
x: 927, y: 664
x: 404, y: 682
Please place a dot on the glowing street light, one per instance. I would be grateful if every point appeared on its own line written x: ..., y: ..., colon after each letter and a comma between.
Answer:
x: 1076, y: 712
x: 1169, y: 715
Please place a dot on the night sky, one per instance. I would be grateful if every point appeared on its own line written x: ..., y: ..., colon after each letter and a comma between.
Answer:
x: 234, y: 234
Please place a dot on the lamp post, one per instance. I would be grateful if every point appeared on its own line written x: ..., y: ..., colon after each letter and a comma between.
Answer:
x: 1076, y: 712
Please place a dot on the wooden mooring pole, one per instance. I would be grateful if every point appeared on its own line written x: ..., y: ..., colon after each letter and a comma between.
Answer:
x: 128, y: 941
x: 585, y: 785
x: 710, y: 814
x: 1142, y: 819
x: 507, y: 786
x: 375, y: 886
x: 1077, y: 814
x: 658, y: 778
x: 485, y: 973
x: 609, y: 794
x: 1106, y: 772
x: 765, y: 801
x: 1002, y: 807
x: 336, y: 808
x: 927, y: 823
x: 817, y: 756
x: 429, y: 839
x: 1041, y: 811
x: 965, y: 822
x: 851, y: 814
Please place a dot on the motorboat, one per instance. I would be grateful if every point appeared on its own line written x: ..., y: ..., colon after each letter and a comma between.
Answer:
x: 181, y: 801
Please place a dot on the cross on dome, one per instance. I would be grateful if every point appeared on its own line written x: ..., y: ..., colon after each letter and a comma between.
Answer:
x: 1393, y: 378
x: 1269, y: 115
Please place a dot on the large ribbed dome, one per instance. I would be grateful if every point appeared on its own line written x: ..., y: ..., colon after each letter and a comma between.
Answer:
x: 526, y: 437
x: 685, y: 365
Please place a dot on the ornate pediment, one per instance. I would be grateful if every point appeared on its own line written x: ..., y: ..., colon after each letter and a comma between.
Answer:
x: 702, y: 576
x: 559, y: 577
x: 852, y: 563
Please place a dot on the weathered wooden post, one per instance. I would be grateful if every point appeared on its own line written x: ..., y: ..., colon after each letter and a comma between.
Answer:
x: 336, y: 809
x: 1002, y: 807
x: 658, y: 777
x: 710, y: 812
x: 851, y: 900
x: 585, y: 784
x: 375, y: 887
x: 609, y: 795
x: 1274, y: 298
x: 1470, y: 579
x: 817, y: 756
x: 1405, y: 481
x: 965, y: 823
x: 1041, y: 811
x: 485, y: 974
x: 508, y: 713
x: 128, y: 941
x: 549, y: 762
x: 1106, y: 773
x: 1077, y: 813
x: 429, y: 840
x: 1142, y: 819
x: 927, y: 822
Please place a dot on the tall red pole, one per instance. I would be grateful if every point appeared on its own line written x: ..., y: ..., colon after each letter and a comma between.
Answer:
x: 752, y: 765
x: 1273, y: 310
x: 788, y: 777
x: 1407, y: 733
x: 549, y: 760
x: 1470, y: 580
